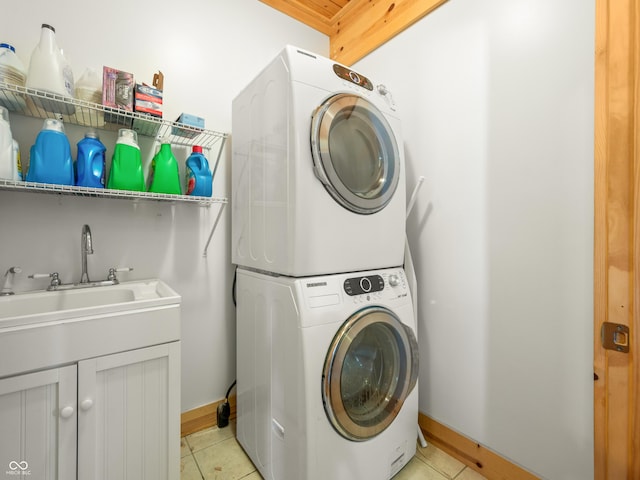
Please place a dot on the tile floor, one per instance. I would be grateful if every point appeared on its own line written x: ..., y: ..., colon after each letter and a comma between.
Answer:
x: 214, y: 454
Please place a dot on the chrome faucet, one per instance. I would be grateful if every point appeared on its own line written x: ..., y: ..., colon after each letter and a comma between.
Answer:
x: 86, y: 248
x: 7, y: 287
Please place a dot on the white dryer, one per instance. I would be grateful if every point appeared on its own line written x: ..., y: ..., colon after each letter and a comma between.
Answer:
x: 318, y: 180
x: 327, y: 368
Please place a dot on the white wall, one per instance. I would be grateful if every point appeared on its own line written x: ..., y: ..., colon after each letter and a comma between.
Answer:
x: 496, y: 98
x: 207, y: 50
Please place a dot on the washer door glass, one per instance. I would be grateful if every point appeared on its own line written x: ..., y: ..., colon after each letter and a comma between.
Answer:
x: 355, y: 153
x: 370, y: 369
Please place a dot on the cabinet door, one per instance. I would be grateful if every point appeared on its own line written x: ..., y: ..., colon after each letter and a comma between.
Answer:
x: 38, y: 424
x: 129, y: 415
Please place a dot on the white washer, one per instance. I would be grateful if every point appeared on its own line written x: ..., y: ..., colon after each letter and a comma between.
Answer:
x: 318, y: 180
x: 327, y: 369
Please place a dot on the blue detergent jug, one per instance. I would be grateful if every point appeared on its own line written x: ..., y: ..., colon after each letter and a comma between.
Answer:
x: 90, y: 164
x: 198, y: 174
x: 50, y: 159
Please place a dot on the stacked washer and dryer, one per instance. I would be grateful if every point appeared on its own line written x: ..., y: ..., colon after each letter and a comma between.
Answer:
x: 327, y: 357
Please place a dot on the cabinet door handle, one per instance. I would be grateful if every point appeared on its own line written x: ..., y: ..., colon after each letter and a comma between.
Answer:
x: 66, y: 412
x: 86, y: 404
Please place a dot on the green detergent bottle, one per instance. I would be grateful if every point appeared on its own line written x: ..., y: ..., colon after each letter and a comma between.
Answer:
x: 126, y: 164
x: 164, y: 175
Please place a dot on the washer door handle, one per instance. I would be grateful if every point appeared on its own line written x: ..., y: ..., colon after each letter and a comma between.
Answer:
x: 415, y: 359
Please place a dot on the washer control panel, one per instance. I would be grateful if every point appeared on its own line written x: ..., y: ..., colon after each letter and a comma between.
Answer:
x: 361, y: 285
x: 388, y: 285
x: 384, y: 286
x: 353, y: 77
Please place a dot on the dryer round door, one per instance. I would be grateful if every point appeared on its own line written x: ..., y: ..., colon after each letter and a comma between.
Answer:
x: 355, y: 153
x: 370, y: 369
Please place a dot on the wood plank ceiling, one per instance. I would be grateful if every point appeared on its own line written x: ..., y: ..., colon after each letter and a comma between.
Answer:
x: 356, y: 27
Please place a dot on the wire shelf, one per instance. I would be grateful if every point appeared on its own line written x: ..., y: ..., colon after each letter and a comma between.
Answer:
x: 40, y: 104
x: 105, y: 192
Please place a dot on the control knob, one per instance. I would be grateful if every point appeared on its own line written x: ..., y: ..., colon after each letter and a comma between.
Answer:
x: 365, y: 284
x: 394, y: 280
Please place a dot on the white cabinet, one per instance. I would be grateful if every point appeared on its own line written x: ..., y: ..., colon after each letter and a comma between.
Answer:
x: 129, y: 415
x: 120, y: 412
x: 92, y: 392
x: 38, y: 424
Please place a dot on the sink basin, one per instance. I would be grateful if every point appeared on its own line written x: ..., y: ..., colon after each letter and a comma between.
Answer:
x: 43, y: 328
x: 44, y: 306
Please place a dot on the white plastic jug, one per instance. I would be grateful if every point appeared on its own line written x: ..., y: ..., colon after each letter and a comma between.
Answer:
x: 49, y: 71
x: 11, y: 68
x: 8, y: 161
x: 89, y: 88
x: 12, y: 72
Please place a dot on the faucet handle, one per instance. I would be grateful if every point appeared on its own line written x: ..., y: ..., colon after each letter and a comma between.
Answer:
x: 55, y: 278
x: 113, y: 270
x: 7, y: 287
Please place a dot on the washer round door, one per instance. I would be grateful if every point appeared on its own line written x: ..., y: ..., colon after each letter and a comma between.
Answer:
x: 370, y: 369
x: 355, y: 154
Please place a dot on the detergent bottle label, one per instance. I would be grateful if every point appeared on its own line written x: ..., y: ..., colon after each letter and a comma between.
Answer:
x: 16, y: 153
x: 67, y: 75
x: 191, y: 181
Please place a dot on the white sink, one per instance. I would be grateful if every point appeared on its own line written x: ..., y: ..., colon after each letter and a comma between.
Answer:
x: 43, y: 306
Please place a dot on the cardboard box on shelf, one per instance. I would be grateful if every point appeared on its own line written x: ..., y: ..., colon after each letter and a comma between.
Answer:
x: 193, y: 126
x: 148, y: 102
x: 117, y: 92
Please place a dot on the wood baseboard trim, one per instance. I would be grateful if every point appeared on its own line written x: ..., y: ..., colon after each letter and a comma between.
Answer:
x: 472, y: 454
x: 203, y: 417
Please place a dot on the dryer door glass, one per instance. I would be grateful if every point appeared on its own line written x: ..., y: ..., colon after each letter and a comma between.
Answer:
x: 355, y: 153
x: 370, y: 369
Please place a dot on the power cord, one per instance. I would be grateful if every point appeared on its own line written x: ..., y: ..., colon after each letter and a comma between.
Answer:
x: 224, y: 409
x: 233, y: 287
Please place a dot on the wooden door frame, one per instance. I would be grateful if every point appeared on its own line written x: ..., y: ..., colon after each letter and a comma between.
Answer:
x: 617, y: 237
